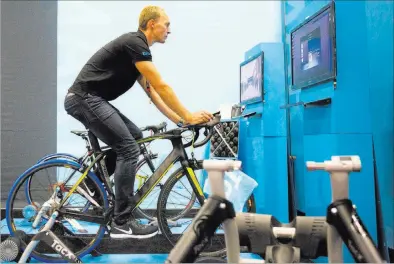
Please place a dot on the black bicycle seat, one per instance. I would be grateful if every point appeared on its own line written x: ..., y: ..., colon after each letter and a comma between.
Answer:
x: 155, y: 128
x: 80, y: 133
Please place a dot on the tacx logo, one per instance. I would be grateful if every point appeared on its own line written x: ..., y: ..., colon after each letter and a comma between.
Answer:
x: 63, y: 251
x: 145, y: 53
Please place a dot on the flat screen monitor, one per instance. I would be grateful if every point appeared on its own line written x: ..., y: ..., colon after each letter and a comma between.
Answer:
x: 252, y: 79
x: 313, y: 49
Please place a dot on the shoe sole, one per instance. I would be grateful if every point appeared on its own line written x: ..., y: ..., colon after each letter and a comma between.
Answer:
x: 134, y: 236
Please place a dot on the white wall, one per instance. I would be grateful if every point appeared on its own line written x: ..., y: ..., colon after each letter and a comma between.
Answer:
x: 200, y: 59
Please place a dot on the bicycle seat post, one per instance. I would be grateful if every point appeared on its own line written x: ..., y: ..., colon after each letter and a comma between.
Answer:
x: 216, y: 169
x: 339, y: 168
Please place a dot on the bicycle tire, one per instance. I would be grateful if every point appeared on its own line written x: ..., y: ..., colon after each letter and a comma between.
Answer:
x: 161, y: 207
x: 27, y: 174
x: 58, y: 156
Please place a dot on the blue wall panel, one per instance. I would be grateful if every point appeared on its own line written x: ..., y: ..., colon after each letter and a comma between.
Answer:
x: 297, y: 146
x: 352, y: 94
x: 380, y: 53
x: 359, y: 119
x: 264, y: 159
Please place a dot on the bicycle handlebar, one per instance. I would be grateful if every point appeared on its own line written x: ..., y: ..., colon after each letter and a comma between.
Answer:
x: 208, y: 126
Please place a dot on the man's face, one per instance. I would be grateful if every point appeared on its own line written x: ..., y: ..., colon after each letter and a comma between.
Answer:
x: 161, y: 28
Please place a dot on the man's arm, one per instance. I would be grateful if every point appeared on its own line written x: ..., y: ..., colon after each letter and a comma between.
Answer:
x: 156, y: 99
x: 165, y: 92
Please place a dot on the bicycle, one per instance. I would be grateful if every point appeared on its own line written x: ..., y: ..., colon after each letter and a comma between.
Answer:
x: 110, y: 162
x: 102, y: 207
x: 304, y: 237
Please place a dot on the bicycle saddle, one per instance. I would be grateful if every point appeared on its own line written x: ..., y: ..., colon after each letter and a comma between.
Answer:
x: 80, y: 133
x: 155, y: 128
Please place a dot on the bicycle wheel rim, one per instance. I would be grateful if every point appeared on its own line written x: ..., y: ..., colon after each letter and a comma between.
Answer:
x: 61, y: 156
x: 163, y: 224
x: 18, y: 184
x: 163, y: 219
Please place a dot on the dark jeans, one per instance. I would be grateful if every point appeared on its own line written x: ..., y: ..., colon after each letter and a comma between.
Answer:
x: 118, y: 132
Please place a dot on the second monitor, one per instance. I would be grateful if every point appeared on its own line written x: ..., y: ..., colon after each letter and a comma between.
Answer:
x: 313, y: 56
x: 251, y: 79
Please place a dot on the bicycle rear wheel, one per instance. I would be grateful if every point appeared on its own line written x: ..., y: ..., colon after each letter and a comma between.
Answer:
x: 62, y: 156
x: 82, y: 240
x: 145, y: 210
x: 179, y: 204
x: 58, y: 156
x: 142, y: 175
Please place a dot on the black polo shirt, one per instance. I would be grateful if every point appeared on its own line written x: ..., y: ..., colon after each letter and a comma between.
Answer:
x: 111, y: 71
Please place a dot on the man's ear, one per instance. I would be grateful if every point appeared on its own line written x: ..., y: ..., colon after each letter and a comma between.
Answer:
x: 151, y: 23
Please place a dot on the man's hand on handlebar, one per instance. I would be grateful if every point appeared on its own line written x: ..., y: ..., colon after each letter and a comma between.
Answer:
x: 200, y: 118
x: 209, y: 127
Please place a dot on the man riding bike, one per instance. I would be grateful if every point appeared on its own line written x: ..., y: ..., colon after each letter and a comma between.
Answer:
x: 109, y: 73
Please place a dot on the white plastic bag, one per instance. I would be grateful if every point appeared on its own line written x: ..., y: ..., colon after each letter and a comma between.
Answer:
x: 237, y: 186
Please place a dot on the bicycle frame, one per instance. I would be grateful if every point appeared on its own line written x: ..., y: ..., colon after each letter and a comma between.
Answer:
x: 177, y: 154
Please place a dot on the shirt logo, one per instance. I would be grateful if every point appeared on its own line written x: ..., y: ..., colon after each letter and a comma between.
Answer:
x: 145, y: 53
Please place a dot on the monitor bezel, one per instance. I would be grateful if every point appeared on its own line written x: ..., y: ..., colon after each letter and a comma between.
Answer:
x: 259, y: 98
x: 332, y: 77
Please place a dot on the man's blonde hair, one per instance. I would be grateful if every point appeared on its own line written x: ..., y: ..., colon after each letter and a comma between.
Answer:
x: 148, y: 13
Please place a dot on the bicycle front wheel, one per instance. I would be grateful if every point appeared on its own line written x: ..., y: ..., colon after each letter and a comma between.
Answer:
x: 175, y: 200
x: 50, y: 182
x: 148, y: 207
